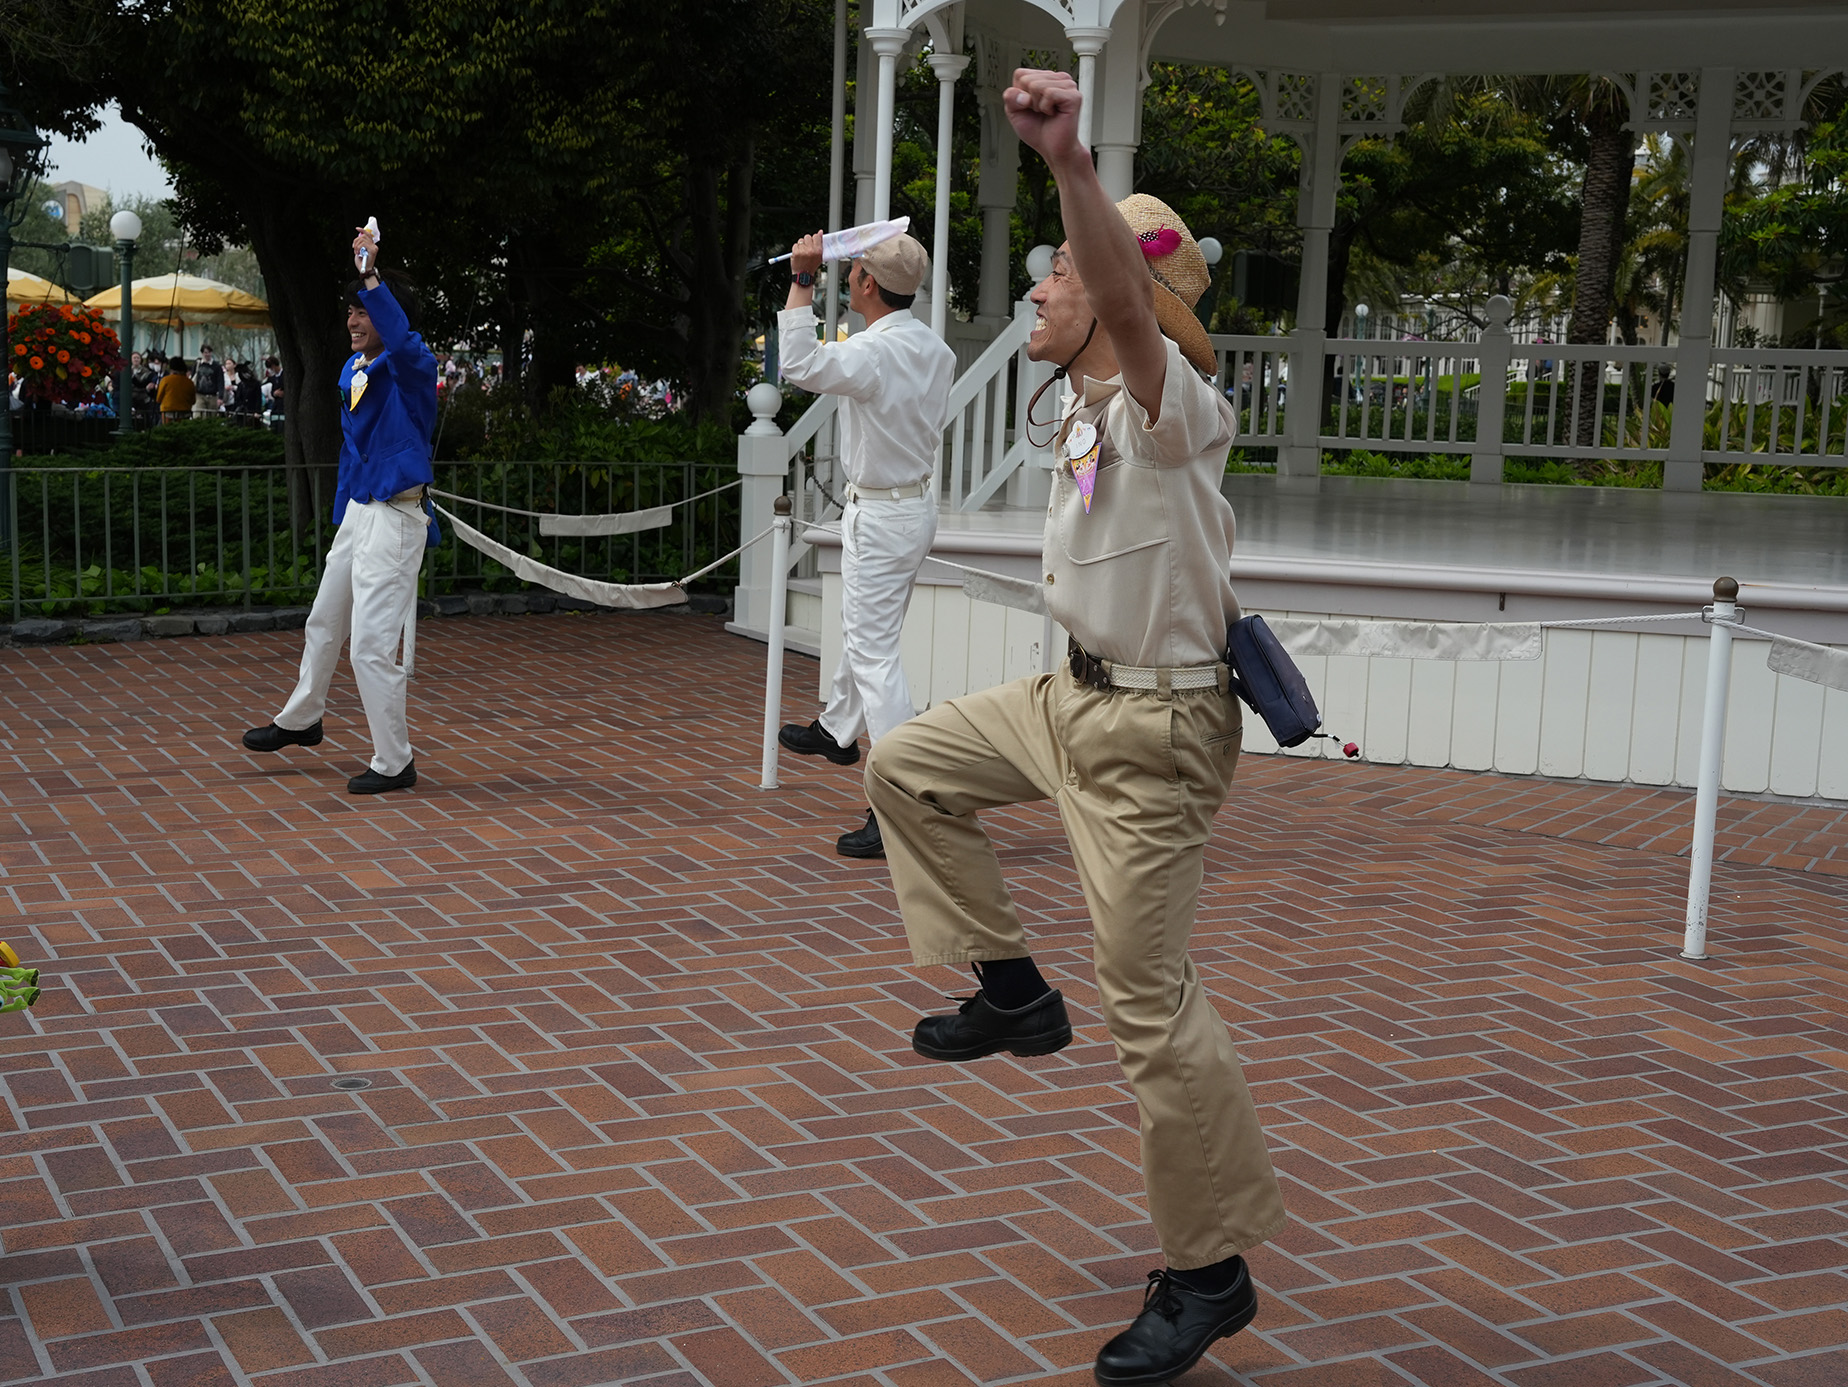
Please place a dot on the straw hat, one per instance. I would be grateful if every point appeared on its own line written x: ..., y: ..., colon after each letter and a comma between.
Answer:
x: 1179, y: 272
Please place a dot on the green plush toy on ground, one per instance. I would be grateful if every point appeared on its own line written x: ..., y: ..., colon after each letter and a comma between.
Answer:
x: 18, y: 986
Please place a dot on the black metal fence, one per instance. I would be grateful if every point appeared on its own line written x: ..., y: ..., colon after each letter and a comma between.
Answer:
x: 85, y: 541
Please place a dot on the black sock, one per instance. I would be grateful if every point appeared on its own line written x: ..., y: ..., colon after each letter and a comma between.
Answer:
x: 1214, y: 1280
x: 1011, y: 983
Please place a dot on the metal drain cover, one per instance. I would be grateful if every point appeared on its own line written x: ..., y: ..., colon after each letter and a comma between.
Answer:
x: 352, y: 1081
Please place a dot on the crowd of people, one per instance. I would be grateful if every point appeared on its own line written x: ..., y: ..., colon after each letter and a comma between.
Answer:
x: 165, y: 389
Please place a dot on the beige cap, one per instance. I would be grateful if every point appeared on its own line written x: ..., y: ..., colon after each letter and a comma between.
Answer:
x: 899, y: 265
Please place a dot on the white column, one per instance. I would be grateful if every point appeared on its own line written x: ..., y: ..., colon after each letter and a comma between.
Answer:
x: 948, y: 67
x: 865, y: 118
x: 837, y: 170
x: 1119, y: 123
x: 1087, y: 42
x: 1000, y: 185
x: 1315, y: 214
x: 887, y: 44
x: 1706, y: 201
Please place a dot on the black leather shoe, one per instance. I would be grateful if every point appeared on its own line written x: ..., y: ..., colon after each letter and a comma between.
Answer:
x: 1177, y: 1325
x: 864, y: 841
x: 816, y: 740
x: 372, y: 783
x: 274, y: 738
x: 982, y: 1028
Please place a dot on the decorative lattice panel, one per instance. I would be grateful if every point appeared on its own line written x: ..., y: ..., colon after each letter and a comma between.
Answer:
x: 1673, y: 96
x: 1295, y: 99
x: 1760, y: 95
x: 1364, y: 101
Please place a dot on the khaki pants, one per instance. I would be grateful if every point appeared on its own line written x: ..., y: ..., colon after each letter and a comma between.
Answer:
x: 1137, y: 780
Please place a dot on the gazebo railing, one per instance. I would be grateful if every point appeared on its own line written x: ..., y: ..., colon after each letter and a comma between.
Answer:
x: 1780, y: 406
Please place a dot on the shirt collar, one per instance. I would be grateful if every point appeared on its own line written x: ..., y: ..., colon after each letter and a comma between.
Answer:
x: 892, y: 319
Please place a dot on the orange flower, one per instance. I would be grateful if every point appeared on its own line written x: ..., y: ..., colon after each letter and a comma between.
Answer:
x: 63, y: 356
x: 37, y: 363
x: 86, y: 370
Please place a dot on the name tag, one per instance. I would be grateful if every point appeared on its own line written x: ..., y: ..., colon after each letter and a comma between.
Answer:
x: 356, y: 389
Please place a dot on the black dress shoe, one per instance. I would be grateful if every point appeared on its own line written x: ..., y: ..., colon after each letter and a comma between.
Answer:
x: 1177, y: 1325
x: 816, y: 740
x: 982, y: 1028
x: 372, y: 783
x: 864, y: 841
x: 274, y: 738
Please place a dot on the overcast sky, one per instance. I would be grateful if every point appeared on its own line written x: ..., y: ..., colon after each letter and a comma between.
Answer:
x: 111, y: 159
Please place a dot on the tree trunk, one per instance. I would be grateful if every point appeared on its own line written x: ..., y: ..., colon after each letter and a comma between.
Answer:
x: 300, y: 256
x: 1603, y: 200
x: 536, y: 264
x: 719, y: 200
x: 1340, y: 254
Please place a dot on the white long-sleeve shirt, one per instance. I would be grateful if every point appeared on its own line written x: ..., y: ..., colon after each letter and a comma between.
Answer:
x: 896, y: 379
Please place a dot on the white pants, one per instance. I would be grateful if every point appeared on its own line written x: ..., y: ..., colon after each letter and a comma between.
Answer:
x: 365, y: 595
x: 883, y: 544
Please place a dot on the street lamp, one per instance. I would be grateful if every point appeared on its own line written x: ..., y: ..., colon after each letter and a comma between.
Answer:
x: 126, y: 228
x: 1360, y: 320
x: 22, y: 159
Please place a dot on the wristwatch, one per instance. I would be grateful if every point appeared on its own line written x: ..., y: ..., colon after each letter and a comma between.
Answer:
x: 806, y: 280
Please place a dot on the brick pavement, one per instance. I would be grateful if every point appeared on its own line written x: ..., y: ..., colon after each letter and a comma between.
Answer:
x: 642, y: 1107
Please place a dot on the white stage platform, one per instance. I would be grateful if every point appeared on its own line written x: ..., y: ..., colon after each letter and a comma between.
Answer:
x: 1611, y: 705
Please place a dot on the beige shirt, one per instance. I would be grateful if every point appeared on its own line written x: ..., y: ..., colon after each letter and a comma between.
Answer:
x: 1145, y: 577
x: 896, y: 376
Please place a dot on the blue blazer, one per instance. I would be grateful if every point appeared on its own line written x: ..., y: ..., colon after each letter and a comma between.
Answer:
x: 386, y: 432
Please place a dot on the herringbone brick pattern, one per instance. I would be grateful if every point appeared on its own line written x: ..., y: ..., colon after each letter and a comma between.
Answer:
x: 643, y: 1109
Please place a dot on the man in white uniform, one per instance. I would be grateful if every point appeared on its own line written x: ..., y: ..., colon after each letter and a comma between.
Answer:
x: 895, y: 377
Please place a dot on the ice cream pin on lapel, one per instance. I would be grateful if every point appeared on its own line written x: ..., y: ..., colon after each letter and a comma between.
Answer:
x: 1082, y: 445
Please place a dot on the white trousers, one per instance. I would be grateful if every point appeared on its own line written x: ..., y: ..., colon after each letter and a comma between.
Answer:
x: 883, y: 544
x: 365, y: 598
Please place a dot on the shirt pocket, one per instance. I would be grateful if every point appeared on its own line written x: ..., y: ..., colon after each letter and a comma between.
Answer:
x: 1127, y: 515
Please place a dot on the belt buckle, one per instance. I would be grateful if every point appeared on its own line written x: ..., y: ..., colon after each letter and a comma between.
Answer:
x: 1087, y: 669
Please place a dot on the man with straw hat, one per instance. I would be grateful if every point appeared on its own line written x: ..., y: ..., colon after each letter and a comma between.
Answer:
x: 895, y: 379
x: 1135, y: 741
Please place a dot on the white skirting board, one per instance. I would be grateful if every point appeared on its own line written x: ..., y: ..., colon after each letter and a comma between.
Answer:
x: 1605, y: 705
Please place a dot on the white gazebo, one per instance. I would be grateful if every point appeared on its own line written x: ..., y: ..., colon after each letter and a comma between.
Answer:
x: 1329, y: 73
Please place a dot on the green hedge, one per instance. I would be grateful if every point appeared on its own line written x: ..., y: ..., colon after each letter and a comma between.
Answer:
x: 1452, y: 467
x: 189, y: 443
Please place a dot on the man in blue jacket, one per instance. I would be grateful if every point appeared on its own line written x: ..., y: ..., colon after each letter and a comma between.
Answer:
x: 388, y: 412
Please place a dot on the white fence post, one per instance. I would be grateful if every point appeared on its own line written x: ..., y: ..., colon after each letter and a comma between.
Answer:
x: 1712, y: 749
x: 779, y: 605
x: 763, y: 462
x: 1494, y: 351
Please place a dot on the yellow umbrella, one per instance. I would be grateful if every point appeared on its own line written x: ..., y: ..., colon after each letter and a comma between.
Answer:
x: 23, y: 288
x: 180, y: 300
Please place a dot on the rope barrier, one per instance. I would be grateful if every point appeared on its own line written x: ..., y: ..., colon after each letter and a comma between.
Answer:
x: 614, y: 523
x: 1592, y: 622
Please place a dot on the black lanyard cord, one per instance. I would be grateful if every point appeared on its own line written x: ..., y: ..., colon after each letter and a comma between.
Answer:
x: 1058, y: 373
